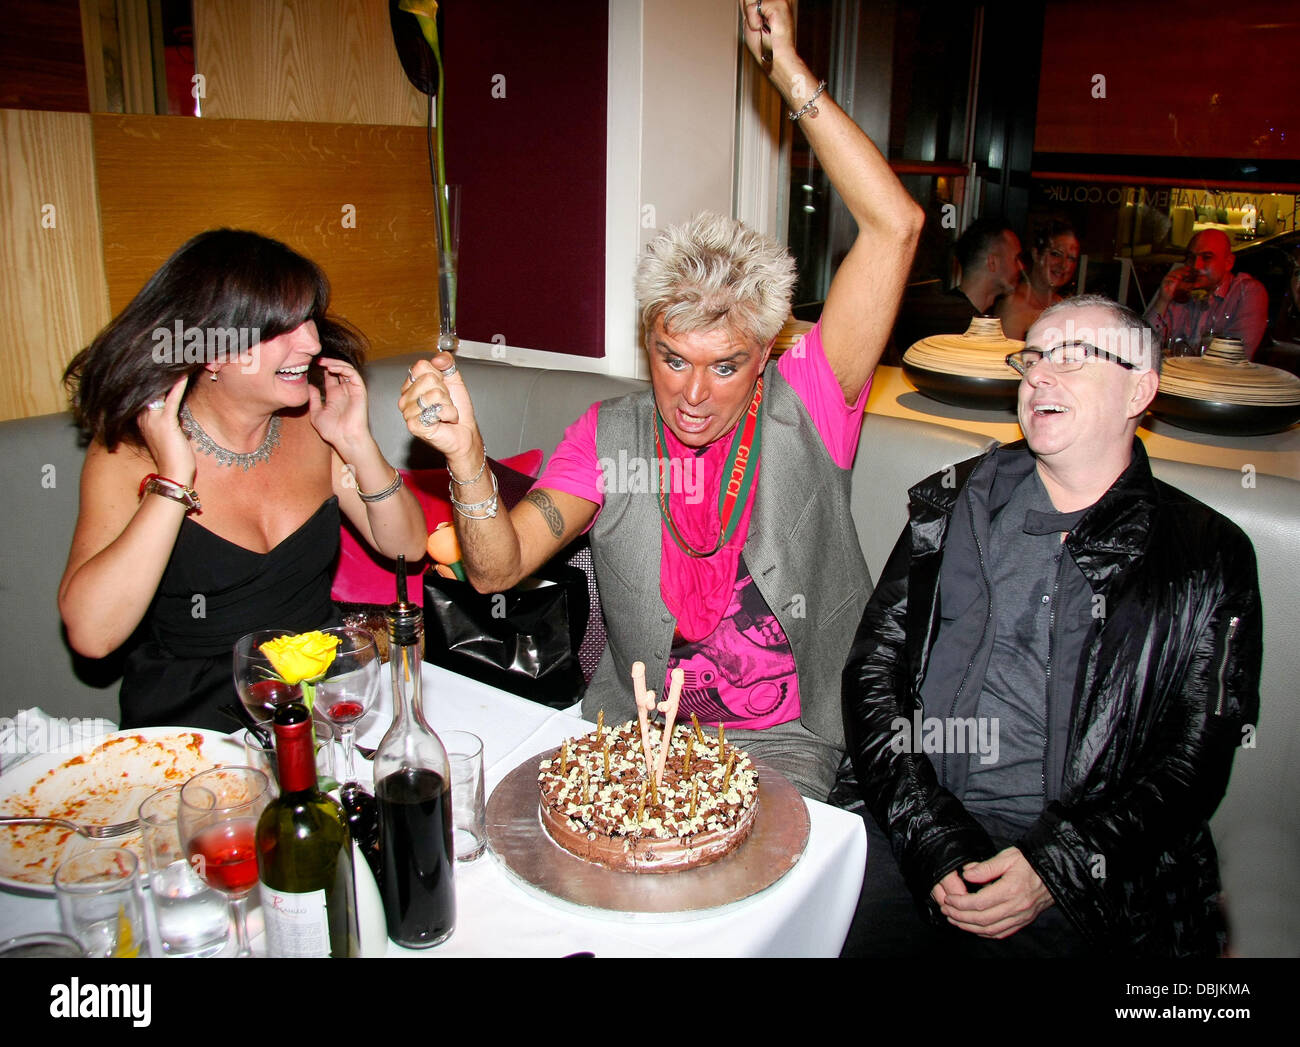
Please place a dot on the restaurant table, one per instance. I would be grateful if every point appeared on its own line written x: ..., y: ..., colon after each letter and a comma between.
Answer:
x: 1277, y: 454
x: 805, y: 913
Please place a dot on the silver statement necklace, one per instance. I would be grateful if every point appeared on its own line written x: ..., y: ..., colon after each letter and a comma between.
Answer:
x: 244, y: 459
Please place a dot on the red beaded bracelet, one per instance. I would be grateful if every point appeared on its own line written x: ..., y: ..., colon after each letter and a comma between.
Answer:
x: 177, y: 492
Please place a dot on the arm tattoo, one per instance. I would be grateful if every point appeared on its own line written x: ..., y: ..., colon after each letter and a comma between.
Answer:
x: 549, y: 511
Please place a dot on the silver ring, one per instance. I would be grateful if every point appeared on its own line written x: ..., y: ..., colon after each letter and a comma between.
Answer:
x: 410, y: 377
x: 156, y: 405
x: 450, y: 371
x: 421, y: 404
x: 429, y: 415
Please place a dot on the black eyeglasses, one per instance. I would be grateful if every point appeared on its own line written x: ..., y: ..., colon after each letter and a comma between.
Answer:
x: 1066, y: 357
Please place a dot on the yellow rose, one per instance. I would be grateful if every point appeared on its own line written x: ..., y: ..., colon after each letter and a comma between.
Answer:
x: 302, y: 657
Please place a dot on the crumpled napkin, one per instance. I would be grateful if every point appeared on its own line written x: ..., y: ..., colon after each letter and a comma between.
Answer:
x: 31, y: 732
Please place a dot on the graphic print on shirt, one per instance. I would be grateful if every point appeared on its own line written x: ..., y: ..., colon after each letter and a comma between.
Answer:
x: 743, y: 672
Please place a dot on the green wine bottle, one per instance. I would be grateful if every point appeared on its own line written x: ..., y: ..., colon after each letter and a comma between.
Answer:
x: 304, y: 854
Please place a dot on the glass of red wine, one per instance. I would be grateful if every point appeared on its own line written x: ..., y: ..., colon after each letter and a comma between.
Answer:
x: 348, y: 690
x: 259, y: 686
x: 217, y: 820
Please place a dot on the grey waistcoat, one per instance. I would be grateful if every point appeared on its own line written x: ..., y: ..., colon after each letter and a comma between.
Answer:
x: 802, y: 551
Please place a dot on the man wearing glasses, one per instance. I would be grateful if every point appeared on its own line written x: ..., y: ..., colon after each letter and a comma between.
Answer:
x: 1047, y: 688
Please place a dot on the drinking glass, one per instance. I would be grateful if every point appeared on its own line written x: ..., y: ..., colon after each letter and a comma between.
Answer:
x: 192, y: 919
x: 43, y: 945
x: 100, y: 902
x: 465, y: 754
x: 263, y: 756
x: 259, y: 686
x: 218, y: 826
x: 348, y: 690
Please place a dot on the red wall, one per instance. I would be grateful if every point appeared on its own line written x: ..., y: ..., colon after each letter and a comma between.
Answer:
x: 1188, y: 78
x: 532, y: 165
x: 42, y: 65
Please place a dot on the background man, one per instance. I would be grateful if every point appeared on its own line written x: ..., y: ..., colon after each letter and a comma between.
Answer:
x: 1106, y: 627
x: 987, y: 254
x: 1203, y: 297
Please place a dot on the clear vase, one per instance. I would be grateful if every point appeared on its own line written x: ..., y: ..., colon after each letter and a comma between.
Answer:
x: 446, y: 213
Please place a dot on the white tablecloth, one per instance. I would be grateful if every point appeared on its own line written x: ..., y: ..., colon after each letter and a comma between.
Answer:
x: 806, y: 913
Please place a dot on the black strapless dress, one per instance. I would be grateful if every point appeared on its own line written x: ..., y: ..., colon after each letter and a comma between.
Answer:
x: 212, y: 593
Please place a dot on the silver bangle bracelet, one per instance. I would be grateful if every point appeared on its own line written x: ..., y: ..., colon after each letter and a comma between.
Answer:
x: 484, y: 510
x: 472, y: 479
x: 387, y: 492
x: 809, y: 109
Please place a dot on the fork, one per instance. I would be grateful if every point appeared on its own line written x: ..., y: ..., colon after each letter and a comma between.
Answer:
x: 91, y: 832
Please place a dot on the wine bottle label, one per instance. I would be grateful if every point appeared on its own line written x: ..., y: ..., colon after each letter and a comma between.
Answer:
x: 296, y: 924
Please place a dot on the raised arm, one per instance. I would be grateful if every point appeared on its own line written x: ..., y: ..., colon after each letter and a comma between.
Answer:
x: 498, y: 548
x: 867, y: 288
x: 393, y: 524
x: 122, y: 542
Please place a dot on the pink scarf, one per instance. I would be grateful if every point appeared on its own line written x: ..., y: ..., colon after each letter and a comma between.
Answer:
x: 698, y: 590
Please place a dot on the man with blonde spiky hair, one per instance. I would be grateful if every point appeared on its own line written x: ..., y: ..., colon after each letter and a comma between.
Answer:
x: 751, y: 580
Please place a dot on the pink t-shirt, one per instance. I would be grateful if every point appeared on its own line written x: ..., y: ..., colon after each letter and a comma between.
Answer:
x: 743, y: 673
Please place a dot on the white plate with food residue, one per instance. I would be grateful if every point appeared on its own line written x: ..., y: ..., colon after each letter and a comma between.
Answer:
x: 101, y: 782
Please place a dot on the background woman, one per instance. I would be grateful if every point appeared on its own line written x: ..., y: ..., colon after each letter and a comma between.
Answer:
x: 1054, y: 255
x: 216, y: 470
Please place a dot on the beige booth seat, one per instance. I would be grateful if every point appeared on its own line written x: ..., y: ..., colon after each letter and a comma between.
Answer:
x: 1257, y: 827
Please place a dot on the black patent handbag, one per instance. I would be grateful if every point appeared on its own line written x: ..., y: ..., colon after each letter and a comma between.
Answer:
x: 524, y: 640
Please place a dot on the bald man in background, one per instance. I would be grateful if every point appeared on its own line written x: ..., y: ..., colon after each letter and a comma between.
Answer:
x: 1203, y: 297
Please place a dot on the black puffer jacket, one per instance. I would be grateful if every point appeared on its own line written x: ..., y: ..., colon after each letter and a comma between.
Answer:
x: 1162, y: 695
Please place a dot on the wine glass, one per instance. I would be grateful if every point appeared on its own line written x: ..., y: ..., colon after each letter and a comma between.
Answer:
x: 348, y: 689
x: 260, y: 687
x: 217, y: 819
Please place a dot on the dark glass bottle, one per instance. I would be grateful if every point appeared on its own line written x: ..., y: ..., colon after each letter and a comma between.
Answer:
x: 363, y: 822
x: 413, y: 793
x: 304, y: 854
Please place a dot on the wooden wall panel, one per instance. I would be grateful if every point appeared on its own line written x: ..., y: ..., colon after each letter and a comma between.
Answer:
x: 330, y: 61
x: 163, y: 179
x: 53, y: 297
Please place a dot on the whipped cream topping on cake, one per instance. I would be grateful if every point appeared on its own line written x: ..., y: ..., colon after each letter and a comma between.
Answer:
x: 696, y: 815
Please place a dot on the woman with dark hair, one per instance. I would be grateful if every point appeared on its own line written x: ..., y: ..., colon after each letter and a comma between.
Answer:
x: 216, y: 470
x: 1054, y: 257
